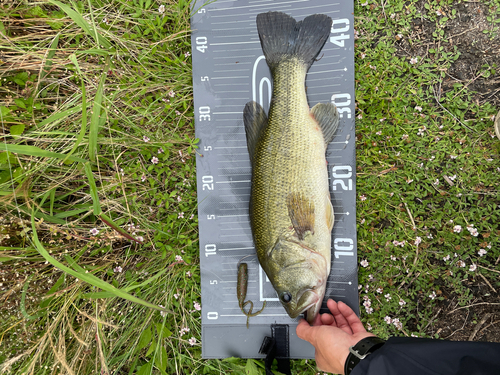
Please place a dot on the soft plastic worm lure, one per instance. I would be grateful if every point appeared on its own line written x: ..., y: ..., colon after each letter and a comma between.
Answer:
x: 241, y: 290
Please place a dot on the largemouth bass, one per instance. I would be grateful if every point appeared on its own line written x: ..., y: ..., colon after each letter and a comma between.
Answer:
x: 290, y: 208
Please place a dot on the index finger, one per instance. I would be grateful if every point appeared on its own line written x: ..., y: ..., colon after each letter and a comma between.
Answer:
x: 351, y: 318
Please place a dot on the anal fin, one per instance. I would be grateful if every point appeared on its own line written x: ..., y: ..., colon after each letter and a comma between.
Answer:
x: 328, y: 119
x: 255, y: 120
x: 301, y: 213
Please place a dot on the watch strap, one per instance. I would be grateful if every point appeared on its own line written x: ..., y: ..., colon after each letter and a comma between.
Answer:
x: 359, y: 351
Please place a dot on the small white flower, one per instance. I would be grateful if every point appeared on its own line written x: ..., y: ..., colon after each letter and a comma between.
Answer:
x: 140, y: 238
x: 178, y: 258
x: 363, y: 197
x: 446, y: 258
x: 187, y: 54
x: 388, y: 319
x: 161, y: 9
x: 145, y: 139
x: 402, y: 302
x: 154, y: 160
x: 473, y: 231
x: 363, y: 55
x: 117, y: 269
x: 192, y: 341
x: 176, y: 295
x: 364, y: 263
x: 413, y: 60
x: 163, y: 313
x: 380, y: 290
x: 472, y: 267
x: 387, y: 297
x: 405, y: 136
x: 421, y: 130
x: 461, y: 263
x: 418, y: 240
x: 432, y: 295
x: 482, y: 252
x: 418, y: 108
x: 397, y: 323
x: 94, y: 231
x: 457, y: 228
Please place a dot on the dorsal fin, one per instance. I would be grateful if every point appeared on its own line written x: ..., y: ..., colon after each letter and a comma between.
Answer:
x: 255, y: 120
x: 328, y: 119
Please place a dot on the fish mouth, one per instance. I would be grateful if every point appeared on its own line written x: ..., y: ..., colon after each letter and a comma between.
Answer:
x: 309, y: 304
x: 312, y: 310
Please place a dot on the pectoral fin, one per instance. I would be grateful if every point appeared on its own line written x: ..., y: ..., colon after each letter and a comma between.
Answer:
x: 255, y: 120
x: 301, y: 213
x: 328, y: 118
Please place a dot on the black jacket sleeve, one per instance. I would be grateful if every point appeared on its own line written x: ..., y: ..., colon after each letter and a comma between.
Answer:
x: 415, y: 356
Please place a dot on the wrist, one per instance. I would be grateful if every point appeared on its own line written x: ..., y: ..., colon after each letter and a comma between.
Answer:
x: 361, y: 350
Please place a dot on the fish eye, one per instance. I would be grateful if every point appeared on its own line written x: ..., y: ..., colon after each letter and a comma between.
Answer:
x: 285, y: 297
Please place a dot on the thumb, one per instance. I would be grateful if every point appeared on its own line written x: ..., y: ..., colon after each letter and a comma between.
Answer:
x: 304, y: 331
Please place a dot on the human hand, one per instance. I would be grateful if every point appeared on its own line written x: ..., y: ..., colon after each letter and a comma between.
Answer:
x: 332, y: 335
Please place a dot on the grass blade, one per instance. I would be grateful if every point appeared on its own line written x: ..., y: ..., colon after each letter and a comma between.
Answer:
x: 36, y: 151
x: 83, y: 128
x: 80, y: 21
x: 60, y: 115
x: 93, y: 189
x: 87, y: 277
x: 96, y: 115
x: 50, y: 56
x: 113, y: 225
x: 22, y: 305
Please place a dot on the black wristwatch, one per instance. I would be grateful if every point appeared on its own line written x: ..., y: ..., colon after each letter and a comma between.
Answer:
x: 359, y: 351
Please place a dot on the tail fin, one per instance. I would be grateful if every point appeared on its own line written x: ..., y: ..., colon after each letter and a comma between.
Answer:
x: 282, y: 37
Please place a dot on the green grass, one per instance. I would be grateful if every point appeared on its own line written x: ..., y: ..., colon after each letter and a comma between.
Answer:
x: 97, y: 179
